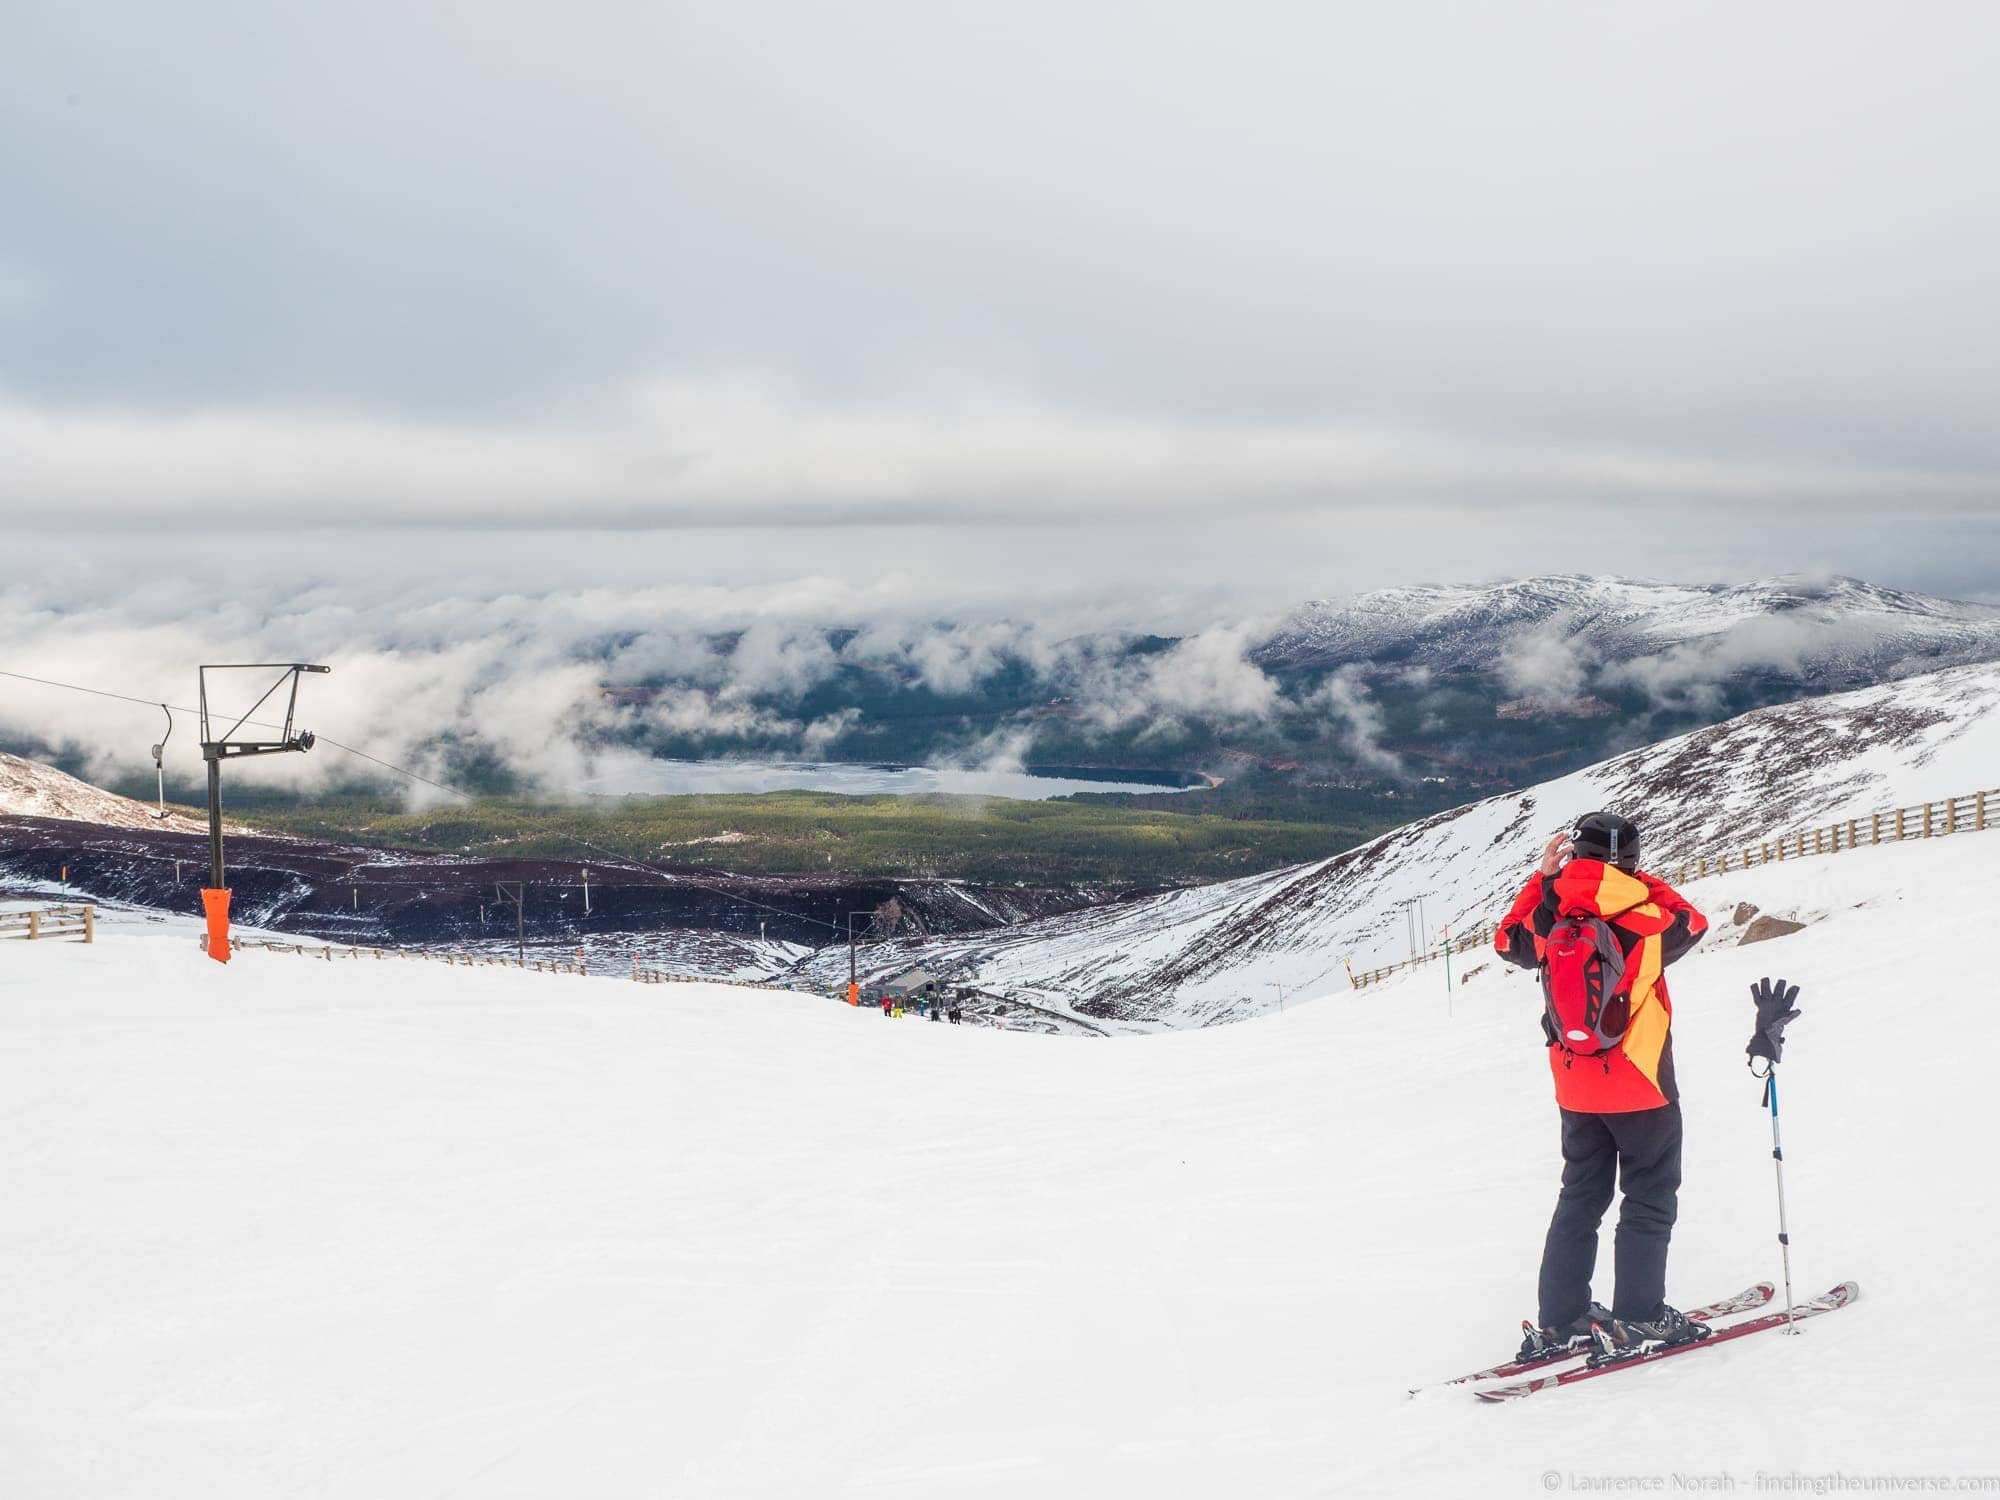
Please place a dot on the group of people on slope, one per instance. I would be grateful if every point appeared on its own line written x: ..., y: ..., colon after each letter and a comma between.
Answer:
x: 928, y: 1007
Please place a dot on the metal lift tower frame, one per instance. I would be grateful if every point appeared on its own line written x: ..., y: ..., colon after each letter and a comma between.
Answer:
x: 216, y: 748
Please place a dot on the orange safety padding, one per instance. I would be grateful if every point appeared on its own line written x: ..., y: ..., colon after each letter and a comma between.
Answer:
x: 853, y: 993
x: 216, y: 904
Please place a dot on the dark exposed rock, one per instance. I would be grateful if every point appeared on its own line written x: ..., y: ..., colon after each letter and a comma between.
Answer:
x: 1744, y: 912
x: 1769, y: 927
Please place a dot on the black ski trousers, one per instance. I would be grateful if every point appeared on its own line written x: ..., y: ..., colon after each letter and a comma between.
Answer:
x: 1642, y: 1152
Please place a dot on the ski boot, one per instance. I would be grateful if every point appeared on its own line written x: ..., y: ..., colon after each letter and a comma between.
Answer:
x: 1627, y: 1338
x: 1538, y: 1344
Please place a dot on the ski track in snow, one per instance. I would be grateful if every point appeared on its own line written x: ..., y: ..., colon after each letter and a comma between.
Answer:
x: 382, y: 1230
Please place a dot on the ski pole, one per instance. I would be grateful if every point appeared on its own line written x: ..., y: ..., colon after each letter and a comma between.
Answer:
x: 1776, y: 1008
x: 1784, y: 1231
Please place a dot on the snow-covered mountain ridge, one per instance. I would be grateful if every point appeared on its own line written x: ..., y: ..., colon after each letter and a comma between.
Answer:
x: 1224, y: 951
x: 1822, y: 629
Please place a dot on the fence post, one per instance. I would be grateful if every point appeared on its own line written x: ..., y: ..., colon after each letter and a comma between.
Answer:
x: 1899, y: 825
x: 1850, y: 833
x: 1980, y: 802
x: 1927, y: 820
x: 1874, y: 828
x: 34, y: 925
x: 90, y: 924
x: 1951, y: 816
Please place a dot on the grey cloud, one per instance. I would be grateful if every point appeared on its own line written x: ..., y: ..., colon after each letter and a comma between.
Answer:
x: 1356, y: 718
x: 1565, y: 226
x: 1691, y: 674
x: 525, y: 676
x: 729, y: 452
x: 482, y: 347
x: 956, y: 659
x: 1547, y: 661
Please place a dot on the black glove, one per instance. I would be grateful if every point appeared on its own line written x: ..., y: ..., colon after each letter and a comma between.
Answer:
x: 1775, y: 1011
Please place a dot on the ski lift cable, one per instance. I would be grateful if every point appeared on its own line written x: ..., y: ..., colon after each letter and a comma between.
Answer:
x: 174, y: 708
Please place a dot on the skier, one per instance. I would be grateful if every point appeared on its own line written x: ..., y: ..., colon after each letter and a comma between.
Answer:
x: 1620, y: 1109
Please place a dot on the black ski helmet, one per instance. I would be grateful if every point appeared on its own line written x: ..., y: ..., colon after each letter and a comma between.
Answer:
x: 1606, y: 836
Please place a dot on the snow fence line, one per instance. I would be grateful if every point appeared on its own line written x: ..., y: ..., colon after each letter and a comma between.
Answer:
x: 1923, y: 820
x: 67, y: 921
x: 327, y: 952
x: 661, y: 976
x: 330, y: 951
x: 50, y: 922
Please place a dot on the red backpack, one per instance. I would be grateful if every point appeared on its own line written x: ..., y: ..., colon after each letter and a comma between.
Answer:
x: 1586, y: 988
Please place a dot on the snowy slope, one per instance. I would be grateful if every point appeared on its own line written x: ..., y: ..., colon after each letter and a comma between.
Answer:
x: 1221, y: 952
x: 318, y: 1229
x: 1823, y: 629
x: 29, y: 789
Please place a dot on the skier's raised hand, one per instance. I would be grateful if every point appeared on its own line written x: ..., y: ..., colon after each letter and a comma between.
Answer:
x: 1556, y: 851
x: 1775, y: 1010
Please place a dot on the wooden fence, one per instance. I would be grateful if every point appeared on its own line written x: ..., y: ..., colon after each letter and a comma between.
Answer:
x: 660, y: 976
x: 327, y: 952
x: 1973, y: 812
x: 70, y: 921
x: 1478, y: 936
x: 449, y: 957
x: 51, y: 922
x: 1925, y: 820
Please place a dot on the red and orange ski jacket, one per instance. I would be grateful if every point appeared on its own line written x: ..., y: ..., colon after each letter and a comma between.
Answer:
x: 1655, y: 925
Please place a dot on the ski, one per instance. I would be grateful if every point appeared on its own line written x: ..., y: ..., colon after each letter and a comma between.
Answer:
x: 1832, y: 1301
x: 1747, y: 1300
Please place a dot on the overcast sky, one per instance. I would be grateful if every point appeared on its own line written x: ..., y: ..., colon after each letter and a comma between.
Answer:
x: 1159, y: 310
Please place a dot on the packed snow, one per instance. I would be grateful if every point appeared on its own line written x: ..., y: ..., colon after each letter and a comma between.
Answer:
x: 292, y: 1227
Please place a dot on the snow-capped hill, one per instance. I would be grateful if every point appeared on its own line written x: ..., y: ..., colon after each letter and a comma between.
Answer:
x: 29, y: 789
x: 1829, y: 630
x: 1221, y: 952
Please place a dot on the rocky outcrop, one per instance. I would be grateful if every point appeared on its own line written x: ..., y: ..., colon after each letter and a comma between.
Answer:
x: 1765, y: 928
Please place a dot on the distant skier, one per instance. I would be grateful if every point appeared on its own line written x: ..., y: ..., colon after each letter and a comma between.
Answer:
x: 888, y: 1003
x: 1601, y: 931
